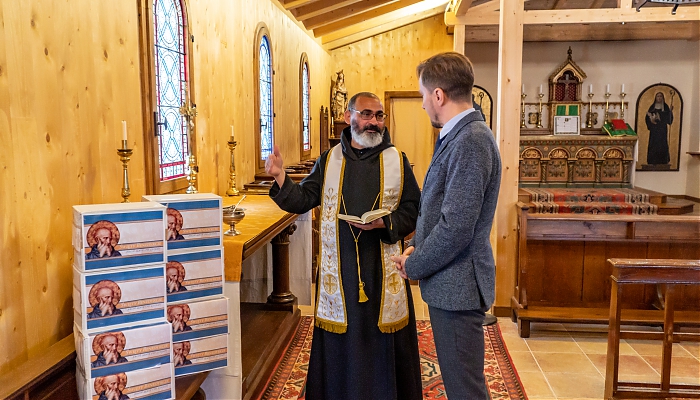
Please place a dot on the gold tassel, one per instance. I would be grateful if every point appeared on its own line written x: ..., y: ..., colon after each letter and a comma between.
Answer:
x: 333, y: 327
x: 395, y: 327
x: 363, y: 296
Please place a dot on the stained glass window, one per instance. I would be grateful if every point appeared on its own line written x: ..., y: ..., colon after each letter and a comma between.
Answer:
x: 171, y: 87
x: 266, y: 113
x: 306, y: 133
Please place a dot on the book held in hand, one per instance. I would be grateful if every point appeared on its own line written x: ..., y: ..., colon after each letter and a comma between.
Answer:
x: 367, y: 217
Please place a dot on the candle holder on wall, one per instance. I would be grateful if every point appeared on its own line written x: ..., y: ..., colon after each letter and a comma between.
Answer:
x: 124, y: 156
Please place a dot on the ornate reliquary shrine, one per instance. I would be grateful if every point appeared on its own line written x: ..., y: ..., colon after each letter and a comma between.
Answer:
x: 562, y: 143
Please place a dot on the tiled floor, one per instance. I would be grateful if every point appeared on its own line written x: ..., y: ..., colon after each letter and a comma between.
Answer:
x: 567, y: 361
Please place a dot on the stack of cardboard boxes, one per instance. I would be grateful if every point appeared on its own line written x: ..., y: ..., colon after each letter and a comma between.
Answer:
x: 148, y: 295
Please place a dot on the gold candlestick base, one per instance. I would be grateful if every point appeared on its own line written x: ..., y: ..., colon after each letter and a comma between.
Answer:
x: 607, y: 114
x: 232, y: 191
x: 192, y: 176
x: 589, y: 120
x: 124, y: 156
x: 622, y: 105
x: 522, y: 112
x: 539, y: 112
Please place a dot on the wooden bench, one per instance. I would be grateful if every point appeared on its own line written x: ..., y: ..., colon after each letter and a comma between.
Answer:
x: 51, y: 376
x: 672, y: 274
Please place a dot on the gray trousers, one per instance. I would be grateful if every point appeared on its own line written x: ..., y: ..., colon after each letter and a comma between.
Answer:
x: 459, y: 342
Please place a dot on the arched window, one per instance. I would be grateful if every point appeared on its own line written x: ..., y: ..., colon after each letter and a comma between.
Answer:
x: 304, y: 91
x: 266, y: 114
x: 167, y: 87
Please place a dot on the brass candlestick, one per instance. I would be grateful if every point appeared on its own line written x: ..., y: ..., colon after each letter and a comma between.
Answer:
x: 522, y: 113
x: 539, y: 112
x: 232, y: 191
x: 607, y: 114
x: 192, y: 175
x: 622, y: 105
x: 124, y: 155
x: 589, y: 120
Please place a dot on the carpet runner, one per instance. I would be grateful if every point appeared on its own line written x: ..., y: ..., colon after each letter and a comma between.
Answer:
x: 289, y: 379
x: 590, y: 201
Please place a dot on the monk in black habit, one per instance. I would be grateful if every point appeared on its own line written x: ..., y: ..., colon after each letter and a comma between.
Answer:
x: 358, y: 351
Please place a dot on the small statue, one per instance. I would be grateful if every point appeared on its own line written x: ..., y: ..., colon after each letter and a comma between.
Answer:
x: 339, y: 97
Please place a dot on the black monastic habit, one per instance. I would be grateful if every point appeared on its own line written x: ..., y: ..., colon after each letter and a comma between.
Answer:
x: 362, y: 363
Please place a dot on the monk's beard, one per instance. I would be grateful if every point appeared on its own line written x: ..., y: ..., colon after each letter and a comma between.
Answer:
x: 173, y: 285
x: 111, y: 356
x: 106, y: 308
x: 178, y: 359
x: 112, y: 394
x: 178, y: 325
x: 365, y: 138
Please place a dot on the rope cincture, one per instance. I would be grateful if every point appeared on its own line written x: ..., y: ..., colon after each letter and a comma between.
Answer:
x: 363, y: 296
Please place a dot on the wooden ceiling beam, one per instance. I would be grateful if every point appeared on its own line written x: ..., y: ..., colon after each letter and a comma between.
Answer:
x: 387, y: 22
x: 292, y: 4
x: 361, y: 18
x: 461, y: 7
x: 604, y: 31
x: 320, y: 7
x: 345, y: 12
x: 607, y: 15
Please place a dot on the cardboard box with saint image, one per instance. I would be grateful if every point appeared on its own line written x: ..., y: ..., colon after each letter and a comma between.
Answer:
x: 193, y: 221
x: 198, y: 319
x: 121, y: 298
x: 194, y: 276
x: 108, y: 236
x: 122, y: 350
x: 198, y: 355
x: 157, y: 383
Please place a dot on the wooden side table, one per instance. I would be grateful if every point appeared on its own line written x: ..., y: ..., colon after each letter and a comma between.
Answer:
x: 639, y: 271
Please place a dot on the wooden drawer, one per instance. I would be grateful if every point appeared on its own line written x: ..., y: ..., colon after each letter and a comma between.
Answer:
x: 576, y: 230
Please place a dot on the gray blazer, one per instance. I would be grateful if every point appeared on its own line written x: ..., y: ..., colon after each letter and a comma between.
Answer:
x: 452, y: 255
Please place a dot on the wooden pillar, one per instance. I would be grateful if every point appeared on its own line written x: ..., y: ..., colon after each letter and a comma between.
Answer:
x: 281, y: 295
x: 510, y: 59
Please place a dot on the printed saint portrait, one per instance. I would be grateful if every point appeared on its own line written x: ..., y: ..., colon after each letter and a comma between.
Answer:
x: 180, y: 352
x: 104, y: 297
x: 658, y: 126
x: 111, y: 387
x: 174, y: 225
x: 108, y: 348
x: 178, y: 315
x: 102, y: 237
x: 174, y: 276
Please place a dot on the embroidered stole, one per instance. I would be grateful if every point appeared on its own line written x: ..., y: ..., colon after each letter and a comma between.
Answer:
x: 331, y: 313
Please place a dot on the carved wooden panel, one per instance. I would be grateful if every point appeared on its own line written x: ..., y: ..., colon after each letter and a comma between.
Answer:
x: 576, y: 161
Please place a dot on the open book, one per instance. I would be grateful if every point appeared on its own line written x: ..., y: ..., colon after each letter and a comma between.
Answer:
x: 367, y: 217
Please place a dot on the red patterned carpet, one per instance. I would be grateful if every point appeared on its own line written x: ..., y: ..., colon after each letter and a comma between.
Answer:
x: 287, y: 383
x: 589, y: 201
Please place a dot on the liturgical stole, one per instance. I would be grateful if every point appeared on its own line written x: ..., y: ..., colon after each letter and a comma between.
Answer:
x: 331, y: 313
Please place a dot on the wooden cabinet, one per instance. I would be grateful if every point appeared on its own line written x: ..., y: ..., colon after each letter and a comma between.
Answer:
x: 563, y: 275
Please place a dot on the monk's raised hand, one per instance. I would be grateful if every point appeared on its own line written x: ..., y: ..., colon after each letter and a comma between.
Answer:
x: 273, y: 164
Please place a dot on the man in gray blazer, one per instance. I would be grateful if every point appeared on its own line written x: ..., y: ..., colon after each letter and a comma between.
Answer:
x: 451, y: 252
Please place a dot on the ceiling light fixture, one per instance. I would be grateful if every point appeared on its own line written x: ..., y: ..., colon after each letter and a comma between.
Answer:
x: 675, y: 3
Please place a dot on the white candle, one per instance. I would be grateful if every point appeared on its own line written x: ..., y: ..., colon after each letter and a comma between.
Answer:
x: 232, y: 133
x: 124, y: 131
x: 623, y: 88
x: 590, y: 88
x: 607, y: 88
x: 540, y: 88
x: 523, y: 88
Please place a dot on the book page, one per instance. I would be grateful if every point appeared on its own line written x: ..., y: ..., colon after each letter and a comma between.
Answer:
x: 367, y: 217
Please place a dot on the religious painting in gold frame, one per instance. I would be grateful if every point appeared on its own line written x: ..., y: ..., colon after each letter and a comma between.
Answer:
x: 658, y: 124
x: 482, y: 98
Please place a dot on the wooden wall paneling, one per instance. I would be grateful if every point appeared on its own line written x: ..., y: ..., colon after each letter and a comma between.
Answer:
x: 596, y: 274
x: 633, y: 296
x: 536, y: 279
x: 563, y: 272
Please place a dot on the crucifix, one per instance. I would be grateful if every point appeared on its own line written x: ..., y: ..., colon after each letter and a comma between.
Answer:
x: 189, y: 112
x: 567, y: 79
